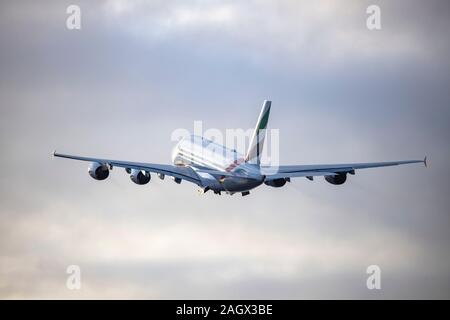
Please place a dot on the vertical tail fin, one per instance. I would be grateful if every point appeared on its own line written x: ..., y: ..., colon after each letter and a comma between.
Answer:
x: 257, y: 141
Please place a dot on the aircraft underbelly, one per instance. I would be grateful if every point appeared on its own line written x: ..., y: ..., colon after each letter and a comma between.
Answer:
x: 239, y: 184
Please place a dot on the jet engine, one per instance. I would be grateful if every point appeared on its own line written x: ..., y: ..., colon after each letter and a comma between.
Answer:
x: 338, y: 179
x: 276, y: 183
x: 139, y: 176
x: 98, y: 171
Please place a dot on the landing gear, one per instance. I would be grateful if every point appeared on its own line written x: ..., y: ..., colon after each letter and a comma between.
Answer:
x: 219, y: 192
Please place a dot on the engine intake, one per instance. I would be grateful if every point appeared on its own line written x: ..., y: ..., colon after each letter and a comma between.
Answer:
x: 140, y: 177
x: 98, y: 171
x: 338, y: 179
x: 276, y: 183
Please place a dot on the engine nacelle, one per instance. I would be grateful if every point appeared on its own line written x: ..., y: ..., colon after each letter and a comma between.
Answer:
x: 177, y: 180
x: 277, y: 183
x: 338, y: 179
x: 139, y: 176
x: 98, y: 171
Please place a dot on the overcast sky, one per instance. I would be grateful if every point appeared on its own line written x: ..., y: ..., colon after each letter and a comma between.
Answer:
x: 138, y: 70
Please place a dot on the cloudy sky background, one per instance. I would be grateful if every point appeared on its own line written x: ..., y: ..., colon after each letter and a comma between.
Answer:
x: 137, y: 70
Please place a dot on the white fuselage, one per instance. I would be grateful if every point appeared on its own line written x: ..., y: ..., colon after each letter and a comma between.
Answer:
x: 197, y: 152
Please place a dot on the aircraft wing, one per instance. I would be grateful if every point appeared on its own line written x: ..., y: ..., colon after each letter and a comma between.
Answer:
x: 184, y: 173
x: 273, y: 173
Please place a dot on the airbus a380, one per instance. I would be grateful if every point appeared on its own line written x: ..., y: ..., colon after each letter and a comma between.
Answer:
x: 214, y: 167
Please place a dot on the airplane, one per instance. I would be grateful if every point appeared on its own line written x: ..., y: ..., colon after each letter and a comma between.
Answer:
x: 212, y: 166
